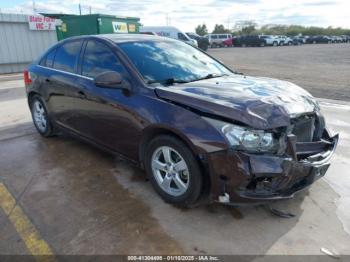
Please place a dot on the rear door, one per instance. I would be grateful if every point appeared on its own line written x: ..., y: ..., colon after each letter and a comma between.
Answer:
x: 62, y: 82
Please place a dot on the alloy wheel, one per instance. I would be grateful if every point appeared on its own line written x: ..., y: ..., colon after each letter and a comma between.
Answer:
x: 170, y: 171
x: 39, y: 115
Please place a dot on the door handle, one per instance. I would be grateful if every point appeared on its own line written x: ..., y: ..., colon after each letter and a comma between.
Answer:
x: 81, y: 94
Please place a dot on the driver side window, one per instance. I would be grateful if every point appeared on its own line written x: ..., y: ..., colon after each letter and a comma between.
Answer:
x: 99, y: 58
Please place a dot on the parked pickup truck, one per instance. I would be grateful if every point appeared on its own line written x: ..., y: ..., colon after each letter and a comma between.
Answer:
x: 320, y: 39
x: 249, y: 40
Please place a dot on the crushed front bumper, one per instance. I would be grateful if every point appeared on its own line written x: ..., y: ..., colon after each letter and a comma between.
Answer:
x: 239, y: 177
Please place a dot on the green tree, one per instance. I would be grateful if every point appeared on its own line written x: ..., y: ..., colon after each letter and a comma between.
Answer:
x: 202, y: 29
x: 245, y: 27
x: 220, y: 29
x: 292, y: 30
x: 248, y: 30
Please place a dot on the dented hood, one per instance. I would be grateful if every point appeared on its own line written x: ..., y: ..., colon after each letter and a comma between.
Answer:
x: 259, y: 102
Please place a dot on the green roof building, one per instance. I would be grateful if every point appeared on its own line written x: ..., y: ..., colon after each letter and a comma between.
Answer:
x: 73, y: 25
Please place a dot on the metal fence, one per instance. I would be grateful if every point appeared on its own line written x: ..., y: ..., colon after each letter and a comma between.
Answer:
x: 19, y: 46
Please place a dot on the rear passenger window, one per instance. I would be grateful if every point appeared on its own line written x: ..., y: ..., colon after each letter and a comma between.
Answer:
x: 50, y: 57
x: 66, y: 56
x: 99, y: 58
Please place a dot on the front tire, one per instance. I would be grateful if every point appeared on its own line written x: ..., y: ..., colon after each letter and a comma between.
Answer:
x: 40, y: 116
x: 173, y: 171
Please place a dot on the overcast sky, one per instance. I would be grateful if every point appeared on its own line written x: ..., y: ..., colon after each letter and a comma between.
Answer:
x: 186, y: 14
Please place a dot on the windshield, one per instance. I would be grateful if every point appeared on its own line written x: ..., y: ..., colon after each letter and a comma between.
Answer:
x: 159, y: 61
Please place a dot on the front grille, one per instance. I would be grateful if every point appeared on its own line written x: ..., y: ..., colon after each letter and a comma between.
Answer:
x: 308, y: 128
x: 304, y: 128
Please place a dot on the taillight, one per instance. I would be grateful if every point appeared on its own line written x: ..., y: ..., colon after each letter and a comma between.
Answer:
x: 27, y: 79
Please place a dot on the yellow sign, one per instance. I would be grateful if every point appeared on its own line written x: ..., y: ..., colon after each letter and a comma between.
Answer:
x: 132, y: 28
x: 120, y: 27
x: 64, y: 27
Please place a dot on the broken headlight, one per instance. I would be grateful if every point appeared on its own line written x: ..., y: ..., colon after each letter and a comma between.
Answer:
x: 246, y: 138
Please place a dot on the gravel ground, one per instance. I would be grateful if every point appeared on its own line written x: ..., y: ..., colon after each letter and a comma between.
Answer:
x: 323, y: 70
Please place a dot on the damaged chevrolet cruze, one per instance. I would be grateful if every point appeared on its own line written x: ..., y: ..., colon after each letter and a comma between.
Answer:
x: 199, y: 129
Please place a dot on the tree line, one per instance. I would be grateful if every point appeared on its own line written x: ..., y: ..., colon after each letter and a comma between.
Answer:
x: 250, y: 28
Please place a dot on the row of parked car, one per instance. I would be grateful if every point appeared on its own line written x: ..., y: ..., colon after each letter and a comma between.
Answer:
x: 227, y: 40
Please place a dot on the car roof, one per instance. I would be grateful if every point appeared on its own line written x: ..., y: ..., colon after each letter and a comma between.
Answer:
x: 123, y: 38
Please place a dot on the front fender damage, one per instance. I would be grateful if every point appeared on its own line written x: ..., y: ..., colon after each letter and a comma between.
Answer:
x: 241, y: 178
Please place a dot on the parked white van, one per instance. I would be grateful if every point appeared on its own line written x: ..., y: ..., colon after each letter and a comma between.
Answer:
x: 216, y: 40
x: 169, y: 31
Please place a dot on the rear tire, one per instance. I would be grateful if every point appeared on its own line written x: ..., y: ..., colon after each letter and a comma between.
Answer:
x: 173, y: 171
x: 41, y: 118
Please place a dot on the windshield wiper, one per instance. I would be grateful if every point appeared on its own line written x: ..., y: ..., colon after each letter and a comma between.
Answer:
x: 208, y: 76
x: 169, y: 81
x: 238, y: 73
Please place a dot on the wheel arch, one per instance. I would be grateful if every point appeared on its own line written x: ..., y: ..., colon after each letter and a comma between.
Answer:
x: 151, y: 132
x: 30, y: 96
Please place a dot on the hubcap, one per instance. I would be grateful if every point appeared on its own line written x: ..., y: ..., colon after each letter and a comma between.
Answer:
x: 39, y: 116
x: 170, y: 171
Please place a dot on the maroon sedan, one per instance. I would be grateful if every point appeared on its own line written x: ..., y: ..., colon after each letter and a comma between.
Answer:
x: 198, y: 128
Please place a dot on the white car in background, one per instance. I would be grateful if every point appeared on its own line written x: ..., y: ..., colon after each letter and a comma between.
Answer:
x: 271, y: 40
x: 285, y: 40
x: 169, y: 31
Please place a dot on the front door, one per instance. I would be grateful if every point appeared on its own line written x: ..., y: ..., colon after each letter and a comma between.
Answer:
x: 106, y: 115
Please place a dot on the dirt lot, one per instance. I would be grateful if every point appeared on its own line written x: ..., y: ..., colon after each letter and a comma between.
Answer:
x: 62, y: 196
x: 323, y: 70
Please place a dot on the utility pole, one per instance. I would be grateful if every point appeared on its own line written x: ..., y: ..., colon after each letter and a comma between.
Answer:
x: 90, y: 9
x: 167, y: 19
x: 79, y: 9
x: 34, y: 7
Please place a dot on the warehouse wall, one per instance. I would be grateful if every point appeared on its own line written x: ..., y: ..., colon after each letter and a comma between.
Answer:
x: 19, y: 46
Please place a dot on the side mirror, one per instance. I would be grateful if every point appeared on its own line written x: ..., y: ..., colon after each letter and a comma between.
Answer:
x: 111, y: 79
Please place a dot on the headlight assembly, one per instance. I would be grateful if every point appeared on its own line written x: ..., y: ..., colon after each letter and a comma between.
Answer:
x: 245, y: 138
